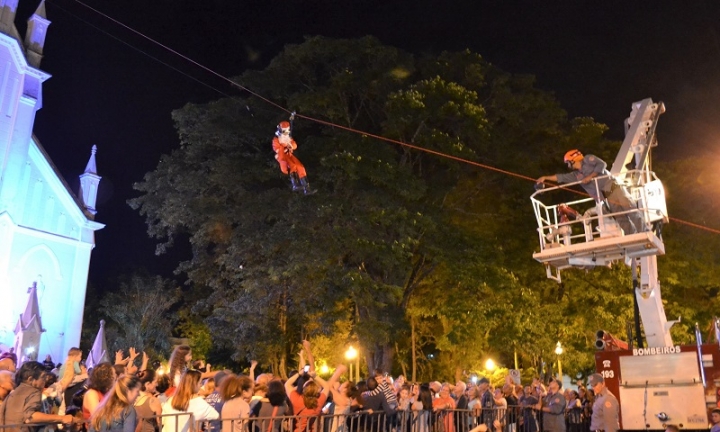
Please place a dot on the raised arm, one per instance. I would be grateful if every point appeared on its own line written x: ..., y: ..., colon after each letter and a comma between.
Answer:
x: 327, y: 385
x: 307, y: 348
x: 289, y: 384
x: 253, y: 364
x: 144, y: 364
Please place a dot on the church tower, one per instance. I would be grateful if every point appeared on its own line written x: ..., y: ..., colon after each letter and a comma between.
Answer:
x: 20, y: 94
x: 89, y: 181
x: 35, y: 35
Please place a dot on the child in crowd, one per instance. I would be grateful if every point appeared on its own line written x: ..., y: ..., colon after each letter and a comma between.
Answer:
x: 70, y: 372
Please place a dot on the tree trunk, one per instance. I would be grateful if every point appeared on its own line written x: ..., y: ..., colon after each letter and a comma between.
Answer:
x: 283, y: 333
x: 458, y: 374
x: 412, y: 349
x: 381, y: 357
x: 402, y: 364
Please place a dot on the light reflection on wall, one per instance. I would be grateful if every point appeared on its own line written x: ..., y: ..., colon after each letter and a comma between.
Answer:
x: 46, y: 232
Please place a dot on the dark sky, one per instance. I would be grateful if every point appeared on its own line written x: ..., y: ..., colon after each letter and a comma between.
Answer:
x: 597, y: 57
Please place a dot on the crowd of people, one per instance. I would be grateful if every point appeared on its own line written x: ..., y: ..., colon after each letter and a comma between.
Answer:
x: 124, y: 397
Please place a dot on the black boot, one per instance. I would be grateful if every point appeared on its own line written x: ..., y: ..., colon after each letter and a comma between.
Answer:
x: 306, y: 186
x: 294, y: 182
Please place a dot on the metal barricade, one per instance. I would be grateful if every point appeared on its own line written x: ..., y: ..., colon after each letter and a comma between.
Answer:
x: 510, y: 419
x: 76, y: 426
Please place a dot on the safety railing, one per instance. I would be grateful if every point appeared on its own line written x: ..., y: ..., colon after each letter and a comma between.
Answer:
x: 510, y: 419
x: 582, y: 221
x: 552, y: 218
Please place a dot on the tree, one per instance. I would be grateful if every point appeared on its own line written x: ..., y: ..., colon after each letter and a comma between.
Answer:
x: 137, y: 314
x: 415, y: 253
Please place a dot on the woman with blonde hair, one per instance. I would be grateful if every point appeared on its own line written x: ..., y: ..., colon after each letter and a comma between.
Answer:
x: 186, y: 405
x: 236, y: 392
x: 116, y: 412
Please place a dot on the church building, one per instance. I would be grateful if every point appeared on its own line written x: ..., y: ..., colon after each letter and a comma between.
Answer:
x: 47, y: 231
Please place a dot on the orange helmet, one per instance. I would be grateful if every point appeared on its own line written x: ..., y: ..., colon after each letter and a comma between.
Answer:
x: 573, y: 156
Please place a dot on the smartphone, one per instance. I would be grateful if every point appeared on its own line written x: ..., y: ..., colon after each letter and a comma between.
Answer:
x: 306, y: 369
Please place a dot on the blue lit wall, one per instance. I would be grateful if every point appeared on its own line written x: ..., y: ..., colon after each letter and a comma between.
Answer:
x: 46, y: 236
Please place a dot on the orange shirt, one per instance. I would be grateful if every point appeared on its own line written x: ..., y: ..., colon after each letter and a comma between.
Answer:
x: 304, y: 414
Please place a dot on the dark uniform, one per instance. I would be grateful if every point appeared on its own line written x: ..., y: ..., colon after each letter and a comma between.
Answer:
x: 487, y: 417
x: 554, y: 420
x: 617, y: 197
x: 605, y: 412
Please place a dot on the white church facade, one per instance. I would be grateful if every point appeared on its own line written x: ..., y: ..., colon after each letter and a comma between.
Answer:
x: 47, y: 232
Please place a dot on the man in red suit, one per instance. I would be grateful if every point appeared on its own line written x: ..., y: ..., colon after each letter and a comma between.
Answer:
x: 284, y: 145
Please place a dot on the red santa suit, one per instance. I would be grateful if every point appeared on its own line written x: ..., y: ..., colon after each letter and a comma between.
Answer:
x: 284, y: 145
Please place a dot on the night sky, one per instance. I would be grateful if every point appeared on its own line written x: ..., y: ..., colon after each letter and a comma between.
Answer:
x: 597, y: 57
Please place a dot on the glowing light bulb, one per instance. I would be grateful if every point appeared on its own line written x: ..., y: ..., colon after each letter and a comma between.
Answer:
x: 351, y: 353
x: 490, y: 364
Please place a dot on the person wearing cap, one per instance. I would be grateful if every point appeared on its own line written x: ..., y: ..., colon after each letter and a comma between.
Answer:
x: 585, y: 169
x: 553, y: 408
x: 605, y: 410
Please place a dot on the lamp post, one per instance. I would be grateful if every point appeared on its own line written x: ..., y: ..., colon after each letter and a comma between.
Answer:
x: 490, y: 365
x: 351, y: 354
x: 558, y: 351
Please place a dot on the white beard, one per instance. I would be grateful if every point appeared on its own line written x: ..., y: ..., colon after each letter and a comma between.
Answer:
x: 284, y: 139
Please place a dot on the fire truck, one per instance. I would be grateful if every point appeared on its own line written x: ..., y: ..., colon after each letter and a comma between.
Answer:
x: 660, y: 383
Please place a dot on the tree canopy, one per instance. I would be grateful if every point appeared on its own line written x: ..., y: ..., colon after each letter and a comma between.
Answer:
x: 424, y: 261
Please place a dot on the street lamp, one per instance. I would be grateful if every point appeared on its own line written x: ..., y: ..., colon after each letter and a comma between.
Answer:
x: 490, y: 365
x: 351, y: 354
x: 558, y: 351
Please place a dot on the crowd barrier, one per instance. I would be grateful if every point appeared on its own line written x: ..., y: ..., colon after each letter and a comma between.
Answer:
x: 511, y: 419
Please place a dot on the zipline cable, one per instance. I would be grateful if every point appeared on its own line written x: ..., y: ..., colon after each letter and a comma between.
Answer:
x: 316, y: 120
x: 183, y: 56
x: 138, y: 49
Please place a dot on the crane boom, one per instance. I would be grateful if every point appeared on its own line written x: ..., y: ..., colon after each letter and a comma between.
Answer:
x: 595, y: 238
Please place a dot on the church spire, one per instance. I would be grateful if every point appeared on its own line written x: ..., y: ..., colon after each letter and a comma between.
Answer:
x: 35, y: 35
x: 89, y: 182
x: 29, y: 327
x: 99, y: 352
x: 91, y: 167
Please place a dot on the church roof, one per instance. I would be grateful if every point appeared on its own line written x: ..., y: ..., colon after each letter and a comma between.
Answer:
x: 75, y: 198
x: 91, y: 167
x: 30, y: 318
x: 40, y: 11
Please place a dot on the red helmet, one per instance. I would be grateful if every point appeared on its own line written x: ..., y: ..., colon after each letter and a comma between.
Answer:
x: 573, y: 156
x: 284, y: 125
